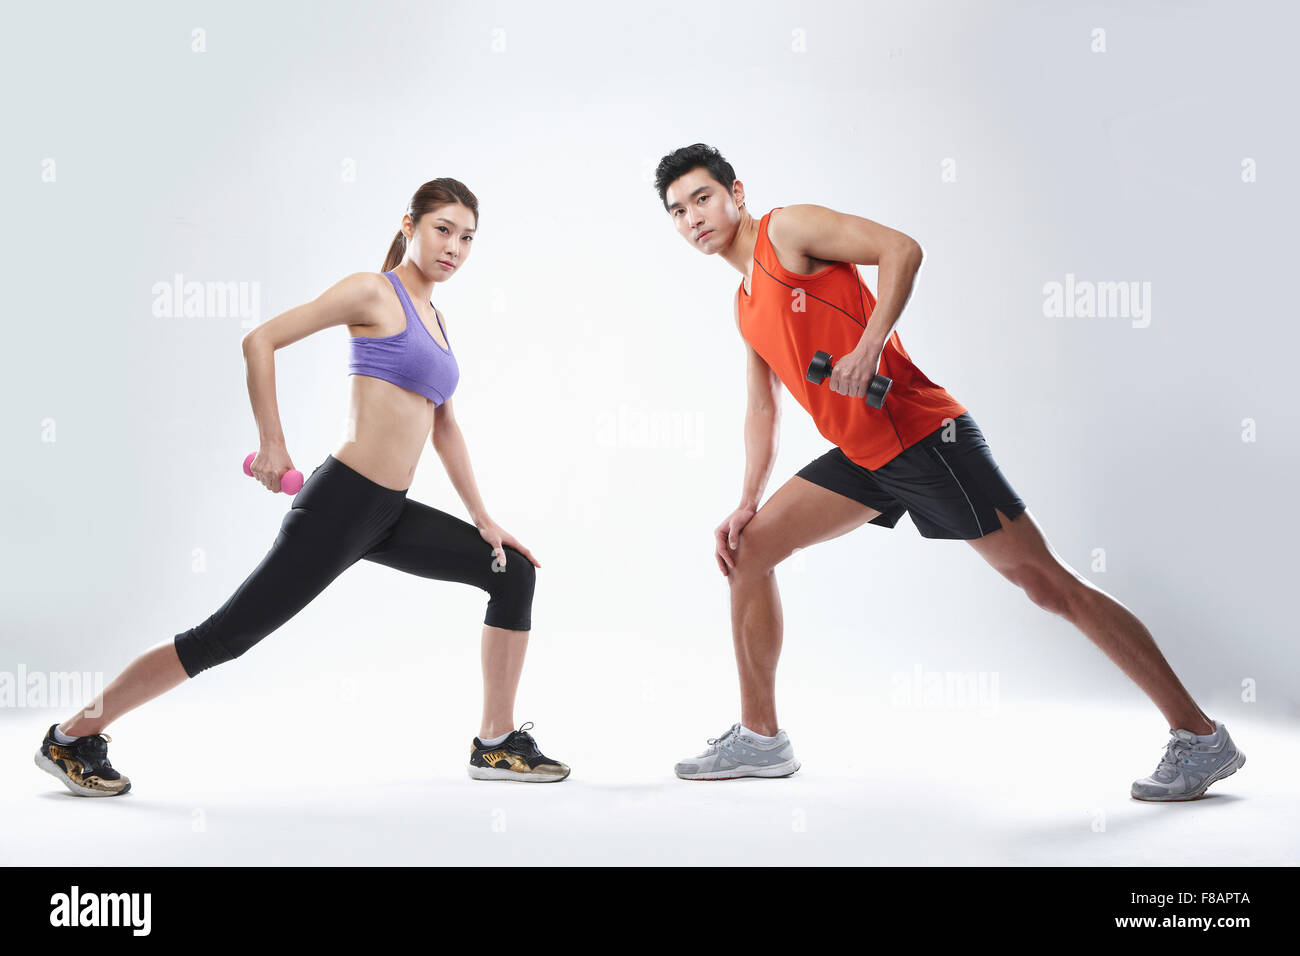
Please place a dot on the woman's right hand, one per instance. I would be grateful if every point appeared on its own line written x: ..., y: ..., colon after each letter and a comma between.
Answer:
x: 726, y: 537
x: 271, y: 464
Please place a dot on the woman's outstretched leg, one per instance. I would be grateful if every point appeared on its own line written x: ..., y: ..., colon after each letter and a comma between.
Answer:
x: 308, y: 553
x: 150, y: 675
x: 334, y: 519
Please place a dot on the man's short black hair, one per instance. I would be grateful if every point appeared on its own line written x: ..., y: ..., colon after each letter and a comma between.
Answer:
x: 681, y: 161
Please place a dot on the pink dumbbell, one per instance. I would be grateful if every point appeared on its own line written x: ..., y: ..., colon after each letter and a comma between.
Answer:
x: 291, y: 482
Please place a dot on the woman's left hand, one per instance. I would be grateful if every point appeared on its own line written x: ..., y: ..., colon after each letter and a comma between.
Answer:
x: 499, y: 537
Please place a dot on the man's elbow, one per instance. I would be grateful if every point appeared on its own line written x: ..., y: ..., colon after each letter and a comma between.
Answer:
x: 913, y: 253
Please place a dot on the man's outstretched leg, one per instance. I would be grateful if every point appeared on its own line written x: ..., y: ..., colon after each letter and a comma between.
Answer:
x: 1201, y: 750
x: 797, y: 515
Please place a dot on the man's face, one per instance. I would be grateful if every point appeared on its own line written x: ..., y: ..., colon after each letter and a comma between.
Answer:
x: 703, y: 212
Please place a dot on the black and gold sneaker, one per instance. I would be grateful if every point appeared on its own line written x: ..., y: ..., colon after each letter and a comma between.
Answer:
x: 82, y: 766
x: 515, y: 758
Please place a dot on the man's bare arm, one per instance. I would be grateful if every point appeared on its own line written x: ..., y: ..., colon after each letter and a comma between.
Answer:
x: 825, y: 234
x: 762, y: 421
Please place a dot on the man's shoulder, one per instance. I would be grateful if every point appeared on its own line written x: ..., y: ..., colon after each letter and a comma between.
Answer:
x: 785, y: 223
x: 794, y: 231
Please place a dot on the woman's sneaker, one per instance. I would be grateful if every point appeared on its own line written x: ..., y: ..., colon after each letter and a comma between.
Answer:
x: 1190, y: 765
x: 515, y: 758
x: 736, y: 754
x: 82, y: 766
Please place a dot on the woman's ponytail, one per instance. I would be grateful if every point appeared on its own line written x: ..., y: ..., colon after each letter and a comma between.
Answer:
x: 396, y: 252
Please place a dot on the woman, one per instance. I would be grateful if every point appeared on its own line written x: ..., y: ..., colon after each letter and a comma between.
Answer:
x: 354, y: 504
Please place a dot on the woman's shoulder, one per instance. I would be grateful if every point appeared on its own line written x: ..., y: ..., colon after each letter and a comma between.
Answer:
x: 365, y: 286
x: 369, y: 294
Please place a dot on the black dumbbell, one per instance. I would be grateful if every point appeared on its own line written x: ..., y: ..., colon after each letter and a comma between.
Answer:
x: 820, y: 367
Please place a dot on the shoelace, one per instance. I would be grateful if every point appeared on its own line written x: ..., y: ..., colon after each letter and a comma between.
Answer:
x: 95, y: 747
x: 522, y: 734
x: 1173, y: 755
x: 721, y: 741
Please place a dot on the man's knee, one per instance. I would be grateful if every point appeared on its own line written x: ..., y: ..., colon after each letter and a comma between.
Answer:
x: 758, y: 552
x: 1053, y: 591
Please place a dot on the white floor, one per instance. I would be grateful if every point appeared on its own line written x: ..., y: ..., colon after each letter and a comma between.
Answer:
x: 1034, y: 783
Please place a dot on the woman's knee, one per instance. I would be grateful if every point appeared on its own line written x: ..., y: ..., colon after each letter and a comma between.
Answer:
x: 512, y: 588
x: 199, y: 649
x: 248, y: 616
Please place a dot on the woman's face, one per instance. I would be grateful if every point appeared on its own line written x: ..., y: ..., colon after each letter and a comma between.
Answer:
x: 439, y: 244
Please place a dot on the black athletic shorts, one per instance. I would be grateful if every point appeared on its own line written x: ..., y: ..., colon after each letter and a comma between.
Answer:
x: 950, y: 488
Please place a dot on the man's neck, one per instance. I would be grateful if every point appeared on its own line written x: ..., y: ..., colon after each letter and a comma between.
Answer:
x: 741, y: 251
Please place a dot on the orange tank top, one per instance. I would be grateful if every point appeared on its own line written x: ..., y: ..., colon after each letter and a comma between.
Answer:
x: 788, y: 317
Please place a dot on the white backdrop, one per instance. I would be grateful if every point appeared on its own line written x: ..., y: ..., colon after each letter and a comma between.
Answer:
x: 602, y: 389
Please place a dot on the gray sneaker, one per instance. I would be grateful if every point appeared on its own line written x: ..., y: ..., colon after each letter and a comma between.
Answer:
x: 736, y: 755
x: 1189, y: 766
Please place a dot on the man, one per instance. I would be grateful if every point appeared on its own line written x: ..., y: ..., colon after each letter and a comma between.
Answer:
x: 920, y: 451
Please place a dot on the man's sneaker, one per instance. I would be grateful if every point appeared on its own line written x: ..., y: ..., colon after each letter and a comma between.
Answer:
x: 739, y: 755
x: 82, y: 766
x: 515, y: 758
x: 1189, y: 766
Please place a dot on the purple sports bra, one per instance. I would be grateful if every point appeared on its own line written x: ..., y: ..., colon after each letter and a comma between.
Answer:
x: 411, y: 359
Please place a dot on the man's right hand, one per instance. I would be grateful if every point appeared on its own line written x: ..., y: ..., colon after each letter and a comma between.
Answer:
x: 726, y: 537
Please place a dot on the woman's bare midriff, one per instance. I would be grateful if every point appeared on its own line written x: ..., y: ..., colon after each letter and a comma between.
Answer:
x: 386, y: 429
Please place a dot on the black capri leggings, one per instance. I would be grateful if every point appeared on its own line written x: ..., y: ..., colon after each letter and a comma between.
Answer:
x: 337, y: 518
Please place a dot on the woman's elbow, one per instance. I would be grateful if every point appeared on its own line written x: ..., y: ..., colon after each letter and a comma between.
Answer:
x: 255, y: 339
